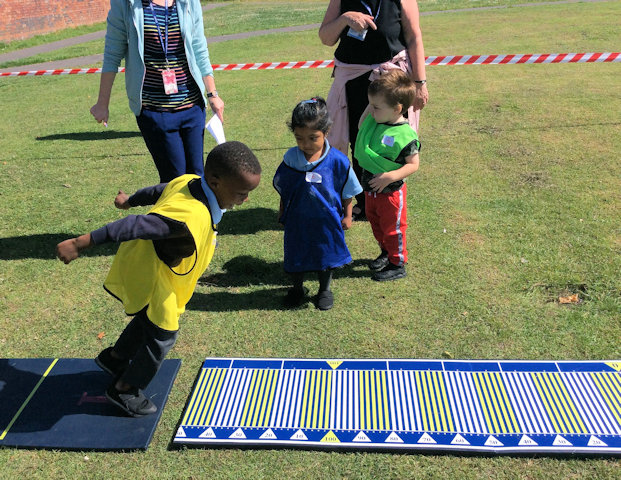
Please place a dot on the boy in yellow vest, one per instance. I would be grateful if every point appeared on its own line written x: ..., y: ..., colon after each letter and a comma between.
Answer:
x: 160, y: 259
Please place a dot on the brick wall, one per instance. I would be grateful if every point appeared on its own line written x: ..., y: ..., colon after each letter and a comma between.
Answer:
x: 21, y: 19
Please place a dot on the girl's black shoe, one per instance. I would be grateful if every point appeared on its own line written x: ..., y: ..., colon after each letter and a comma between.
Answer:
x: 325, y: 300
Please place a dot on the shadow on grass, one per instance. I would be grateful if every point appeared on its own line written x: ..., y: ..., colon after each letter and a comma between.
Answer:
x: 247, y: 271
x: 44, y: 246
x: 268, y: 299
x: 89, y: 136
x: 248, y: 221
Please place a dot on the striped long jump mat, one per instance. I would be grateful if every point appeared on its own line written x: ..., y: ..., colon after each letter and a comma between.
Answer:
x: 419, y: 405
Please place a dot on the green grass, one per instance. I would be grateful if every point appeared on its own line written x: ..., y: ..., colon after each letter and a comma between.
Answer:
x: 516, y: 202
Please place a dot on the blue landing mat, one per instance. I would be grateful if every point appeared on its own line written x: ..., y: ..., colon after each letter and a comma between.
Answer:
x: 60, y: 404
x: 515, y: 407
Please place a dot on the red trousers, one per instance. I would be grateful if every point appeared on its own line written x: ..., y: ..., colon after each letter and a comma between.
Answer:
x: 387, y: 214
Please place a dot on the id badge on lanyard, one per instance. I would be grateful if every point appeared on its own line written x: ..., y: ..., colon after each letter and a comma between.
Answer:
x: 362, y: 34
x: 168, y: 75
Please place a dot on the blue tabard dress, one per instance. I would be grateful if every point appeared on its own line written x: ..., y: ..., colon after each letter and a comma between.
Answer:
x: 312, y: 213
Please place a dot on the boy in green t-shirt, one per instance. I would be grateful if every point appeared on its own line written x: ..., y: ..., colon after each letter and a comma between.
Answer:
x: 387, y: 150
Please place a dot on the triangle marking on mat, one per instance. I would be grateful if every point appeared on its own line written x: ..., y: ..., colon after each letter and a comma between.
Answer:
x: 561, y: 441
x: 361, y: 437
x: 299, y: 435
x: 615, y: 365
x: 209, y: 433
x: 426, y: 438
x: 596, y: 442
x: 334, y: 363
x: 181, y: 433
x: 330, y: 437
x: 239, y: 433
x: 393, y: 438
x: 526, y: 441
x: 493, y: 442
x: 459, y: 440
x: 268, y: 435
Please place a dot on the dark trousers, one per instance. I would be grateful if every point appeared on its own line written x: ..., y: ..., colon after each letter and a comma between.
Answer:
x: 146, y: 345
x: 175, y: 140
x: 357, y: 102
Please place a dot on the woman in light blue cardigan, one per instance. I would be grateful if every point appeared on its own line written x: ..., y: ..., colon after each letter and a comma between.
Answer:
x: 159, y: 38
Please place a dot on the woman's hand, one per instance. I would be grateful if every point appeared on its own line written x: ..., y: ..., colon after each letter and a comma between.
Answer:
x: 100, y: 112
x: 359, y: 21
x: 334, y: 23
x: 422, y: 96
x: 217, y: 107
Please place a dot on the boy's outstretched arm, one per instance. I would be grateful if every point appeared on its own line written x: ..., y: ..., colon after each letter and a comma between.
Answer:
x: 69, y: 250
x: 122, y: 201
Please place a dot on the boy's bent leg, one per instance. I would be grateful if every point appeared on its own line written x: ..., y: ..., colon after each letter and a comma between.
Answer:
x: 149, y: 355
x: 132, y: 337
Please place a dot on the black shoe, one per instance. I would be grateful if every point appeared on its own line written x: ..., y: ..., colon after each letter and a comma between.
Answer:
x: 389, y: 272
x: 133, y: 402
x: 109, y: 364
x: 380, y: 262
x: 325, y: 300
x: 295, y: 297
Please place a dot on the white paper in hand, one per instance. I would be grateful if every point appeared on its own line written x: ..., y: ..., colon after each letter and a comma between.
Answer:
x: 214, y: 126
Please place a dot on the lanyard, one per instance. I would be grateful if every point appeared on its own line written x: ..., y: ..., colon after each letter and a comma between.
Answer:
x: 164, y: 43
x: 379, y: 6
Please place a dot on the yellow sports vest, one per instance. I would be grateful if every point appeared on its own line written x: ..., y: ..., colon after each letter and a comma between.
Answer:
x: 138, y: 277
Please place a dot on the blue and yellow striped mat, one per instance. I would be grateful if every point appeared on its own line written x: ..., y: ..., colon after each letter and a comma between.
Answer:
x: 449, y: 405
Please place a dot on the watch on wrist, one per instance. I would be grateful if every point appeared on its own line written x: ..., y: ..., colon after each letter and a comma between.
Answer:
x: 212, y: 94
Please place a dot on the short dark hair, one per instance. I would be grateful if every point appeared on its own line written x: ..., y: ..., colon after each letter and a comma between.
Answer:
x: 396, y: 88
x: 231, y: 159
x: 311, y: 113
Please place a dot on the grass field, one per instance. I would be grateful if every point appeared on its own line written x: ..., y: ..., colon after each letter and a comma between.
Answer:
x: 517, y: 202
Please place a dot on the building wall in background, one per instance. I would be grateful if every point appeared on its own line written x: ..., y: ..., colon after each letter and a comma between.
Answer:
x: 22, y: 19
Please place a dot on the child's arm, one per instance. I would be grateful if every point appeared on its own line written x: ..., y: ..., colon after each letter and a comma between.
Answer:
x: 347, y: 213
x: 144, y: 196
x: 382, y: 180
x: 122, y: 201
x: 128, y: 228
x: 70, y: 249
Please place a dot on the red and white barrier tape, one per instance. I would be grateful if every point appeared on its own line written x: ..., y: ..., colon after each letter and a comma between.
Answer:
x: 439, y: 61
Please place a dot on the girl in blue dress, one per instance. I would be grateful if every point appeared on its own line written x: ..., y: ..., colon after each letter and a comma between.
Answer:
x: 316, y: 184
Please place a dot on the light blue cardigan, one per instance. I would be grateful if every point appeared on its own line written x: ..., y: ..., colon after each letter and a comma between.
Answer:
x: 125, y: 39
